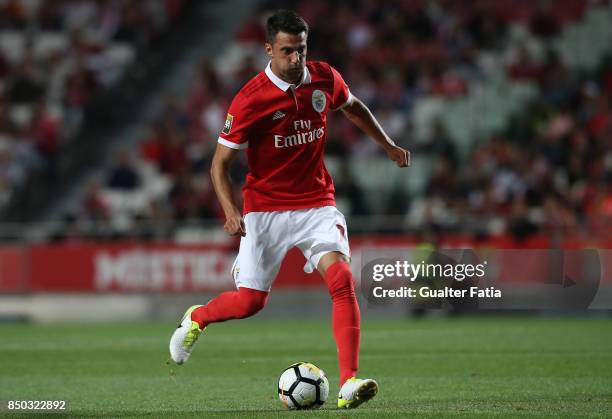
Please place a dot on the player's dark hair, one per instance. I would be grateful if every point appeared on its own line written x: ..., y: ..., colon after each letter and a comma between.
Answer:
x: 285, y: 21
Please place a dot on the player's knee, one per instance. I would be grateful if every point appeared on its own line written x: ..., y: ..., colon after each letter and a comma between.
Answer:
x: 251, y: 301
x: 340, y: 281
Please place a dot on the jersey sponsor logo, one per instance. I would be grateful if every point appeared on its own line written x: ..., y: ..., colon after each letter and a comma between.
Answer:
x: 227, y: 127
x: 318, y: 101
x: 277, y: 115
x: 300, y: 137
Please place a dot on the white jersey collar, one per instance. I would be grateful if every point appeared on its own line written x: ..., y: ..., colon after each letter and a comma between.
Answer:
x: 283, y: 85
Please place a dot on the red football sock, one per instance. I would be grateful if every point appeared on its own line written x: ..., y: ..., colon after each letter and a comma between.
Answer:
x: 230, y: 305
x: 345, y: 318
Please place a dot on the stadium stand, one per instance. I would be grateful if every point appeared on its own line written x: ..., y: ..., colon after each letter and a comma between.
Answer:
x: 55, y: 58
x: 506, y: 112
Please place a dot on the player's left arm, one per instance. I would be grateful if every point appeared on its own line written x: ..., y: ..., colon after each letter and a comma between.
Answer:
x: 359, y: 114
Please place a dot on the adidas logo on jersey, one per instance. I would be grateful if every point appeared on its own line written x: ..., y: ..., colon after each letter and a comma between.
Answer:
x: 277, y: 115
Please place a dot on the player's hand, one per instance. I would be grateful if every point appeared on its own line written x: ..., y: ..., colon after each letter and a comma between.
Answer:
x: 400, y: 156
x: 234, y: 226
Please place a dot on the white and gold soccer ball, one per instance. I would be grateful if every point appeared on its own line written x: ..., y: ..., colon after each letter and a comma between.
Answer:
x: 303, y: 386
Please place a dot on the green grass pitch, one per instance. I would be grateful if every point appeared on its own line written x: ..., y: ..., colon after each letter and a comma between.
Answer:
x: 470, y: 367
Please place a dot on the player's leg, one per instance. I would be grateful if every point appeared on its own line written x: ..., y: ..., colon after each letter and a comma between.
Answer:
x: 230, y: 305
x: 346, y: 319
x: 324, y: 243
x: 259, y: 258
x: 336, y: 271
x: 227, y: 306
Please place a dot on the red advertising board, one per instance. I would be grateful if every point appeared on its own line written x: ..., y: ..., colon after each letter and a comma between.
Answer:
x: 169, y: 267
x: 14, y: 269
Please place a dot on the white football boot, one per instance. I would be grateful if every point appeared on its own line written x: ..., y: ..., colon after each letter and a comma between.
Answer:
x: 184, y: 337
x: 355, y: 392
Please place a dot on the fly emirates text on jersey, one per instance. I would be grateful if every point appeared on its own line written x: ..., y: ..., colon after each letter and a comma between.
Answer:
x: 303, y: 135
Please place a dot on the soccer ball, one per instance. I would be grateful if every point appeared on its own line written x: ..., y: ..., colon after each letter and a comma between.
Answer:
x: 303, y: 386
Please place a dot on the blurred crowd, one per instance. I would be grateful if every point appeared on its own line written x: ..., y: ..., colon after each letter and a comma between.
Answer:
x: 550, y: 172
x: 55, y: 56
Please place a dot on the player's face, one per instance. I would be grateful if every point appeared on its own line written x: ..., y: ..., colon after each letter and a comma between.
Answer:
x: 288, y: 55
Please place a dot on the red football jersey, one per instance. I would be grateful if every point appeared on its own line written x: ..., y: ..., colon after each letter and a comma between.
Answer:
x: 283, y: 127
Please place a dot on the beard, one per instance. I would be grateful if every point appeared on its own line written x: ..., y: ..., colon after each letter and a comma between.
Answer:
x: 295, y: 74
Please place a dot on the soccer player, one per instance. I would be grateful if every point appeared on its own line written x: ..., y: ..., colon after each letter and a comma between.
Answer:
x: 280, y: 119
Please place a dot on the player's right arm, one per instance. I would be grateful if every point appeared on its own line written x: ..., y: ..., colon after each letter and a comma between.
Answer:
x: 219, y: 174
x: 232, y: 138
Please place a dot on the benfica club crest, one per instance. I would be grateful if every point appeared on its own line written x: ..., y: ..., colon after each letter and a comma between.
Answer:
x: 318, y: 100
